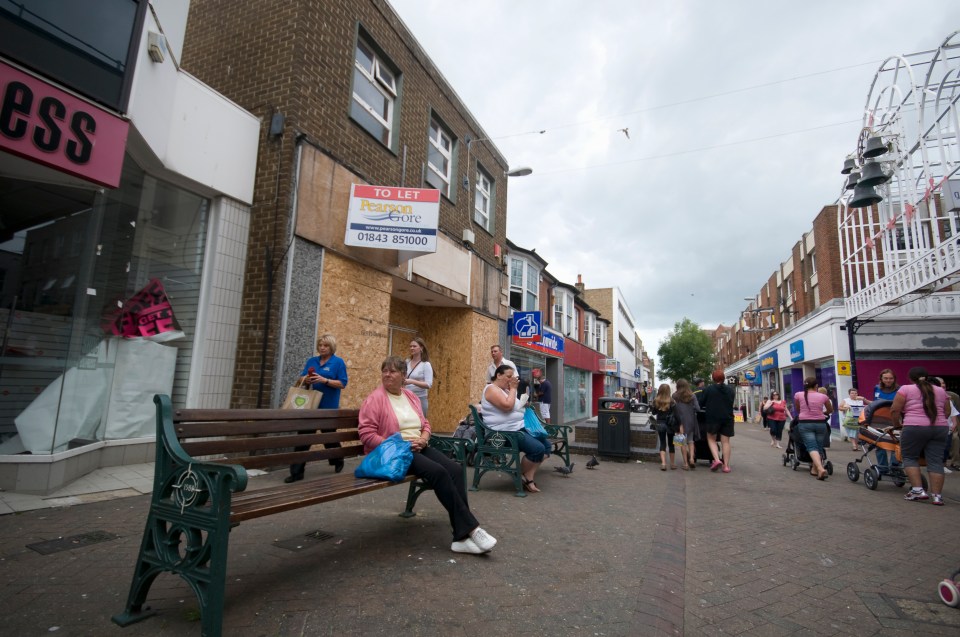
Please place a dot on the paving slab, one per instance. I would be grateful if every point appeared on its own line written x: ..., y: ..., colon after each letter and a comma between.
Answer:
x: 624, y: 549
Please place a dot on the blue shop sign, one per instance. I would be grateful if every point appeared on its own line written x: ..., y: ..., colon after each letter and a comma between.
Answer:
x: 796, y: 351
x: 769, y: 361
x: 757, y: 376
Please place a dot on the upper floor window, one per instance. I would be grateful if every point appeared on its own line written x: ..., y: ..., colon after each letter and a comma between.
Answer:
x: 589, y: 328
x: 563, y: 312
x: 601, y: 338
x: 524, y: 285
x: 483, y: 201
x: 374, y: 93
x: 439, y: 157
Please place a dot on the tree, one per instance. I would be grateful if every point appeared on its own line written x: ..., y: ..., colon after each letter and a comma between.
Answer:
x: 686, y: 352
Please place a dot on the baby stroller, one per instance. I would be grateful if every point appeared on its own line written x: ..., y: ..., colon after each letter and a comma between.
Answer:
x: 796, y: 453
x: 876, y: 432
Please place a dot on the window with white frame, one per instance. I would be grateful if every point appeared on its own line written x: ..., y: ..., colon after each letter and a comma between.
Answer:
x: 533, y: 288
x: 483, y: 200
x: 439, y: 157
x: 563, y: 311
x: 589, y: 328
x: 374, y: 93
x: 524, y: 285
x: 601, y: 338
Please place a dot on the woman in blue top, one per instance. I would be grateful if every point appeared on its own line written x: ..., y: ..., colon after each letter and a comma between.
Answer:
x: 326, y: 373
x: 886, y: 389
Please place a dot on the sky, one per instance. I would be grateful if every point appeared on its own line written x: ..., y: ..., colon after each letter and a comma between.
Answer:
x: 738, y: 116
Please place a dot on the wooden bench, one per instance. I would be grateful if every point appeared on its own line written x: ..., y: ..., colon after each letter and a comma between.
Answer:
x: 200, y: 481
x: 500, y: 450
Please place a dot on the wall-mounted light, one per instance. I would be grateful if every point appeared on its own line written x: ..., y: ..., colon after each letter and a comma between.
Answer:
x: 156, y: 46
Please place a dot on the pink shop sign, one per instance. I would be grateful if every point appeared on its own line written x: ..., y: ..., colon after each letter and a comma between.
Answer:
x: 47, y: 125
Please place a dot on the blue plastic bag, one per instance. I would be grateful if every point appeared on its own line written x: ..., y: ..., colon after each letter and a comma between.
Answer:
x: 532, y: 424
x: 389, y: 461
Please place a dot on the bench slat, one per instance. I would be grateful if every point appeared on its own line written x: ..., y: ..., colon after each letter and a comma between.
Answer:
x: 261, y: 443
x: 263, y: 502
x: 271, y: 460
x: 259, y: 415
x: 219, y: 428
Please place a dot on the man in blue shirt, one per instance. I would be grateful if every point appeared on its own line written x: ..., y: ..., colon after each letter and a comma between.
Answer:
x: 545, y: 396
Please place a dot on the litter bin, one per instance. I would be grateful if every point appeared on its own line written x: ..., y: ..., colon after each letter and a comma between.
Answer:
x: 613, y: 427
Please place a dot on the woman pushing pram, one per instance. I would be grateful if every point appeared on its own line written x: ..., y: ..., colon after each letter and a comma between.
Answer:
x: 875, y: 434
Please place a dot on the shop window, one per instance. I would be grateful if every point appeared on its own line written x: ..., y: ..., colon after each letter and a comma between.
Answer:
x: 60, y: 345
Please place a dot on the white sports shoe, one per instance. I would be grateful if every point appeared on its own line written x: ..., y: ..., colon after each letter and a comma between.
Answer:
x: 483, y: 540
x: 466, y: 545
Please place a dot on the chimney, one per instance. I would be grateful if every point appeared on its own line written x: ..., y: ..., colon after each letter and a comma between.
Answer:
x: 580, y: 286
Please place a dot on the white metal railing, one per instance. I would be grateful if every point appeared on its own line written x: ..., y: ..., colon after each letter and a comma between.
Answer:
x: 937, y: 264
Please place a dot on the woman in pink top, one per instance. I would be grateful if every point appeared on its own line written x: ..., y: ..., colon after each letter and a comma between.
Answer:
x: 812, y: 407
x: 922, y: 409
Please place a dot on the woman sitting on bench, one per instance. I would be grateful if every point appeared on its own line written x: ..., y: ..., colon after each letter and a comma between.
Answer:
x: 390, y: 409
x: 503, y: 411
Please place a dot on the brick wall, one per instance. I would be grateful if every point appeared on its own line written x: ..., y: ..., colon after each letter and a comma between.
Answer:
x: 296, y: 58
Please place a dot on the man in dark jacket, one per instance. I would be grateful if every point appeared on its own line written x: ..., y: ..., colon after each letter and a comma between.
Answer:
x: 717, y: 403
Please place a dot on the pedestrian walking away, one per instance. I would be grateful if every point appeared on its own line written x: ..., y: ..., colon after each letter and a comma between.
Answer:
x: 922, y: 409
x: 717, y: 402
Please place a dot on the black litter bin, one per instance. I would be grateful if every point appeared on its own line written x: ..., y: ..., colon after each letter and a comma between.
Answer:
x: 613, y: 427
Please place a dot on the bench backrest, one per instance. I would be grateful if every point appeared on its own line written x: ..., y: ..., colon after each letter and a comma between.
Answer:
x: 262, y: 438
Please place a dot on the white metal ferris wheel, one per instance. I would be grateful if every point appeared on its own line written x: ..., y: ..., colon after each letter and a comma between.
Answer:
x: 899, y: 221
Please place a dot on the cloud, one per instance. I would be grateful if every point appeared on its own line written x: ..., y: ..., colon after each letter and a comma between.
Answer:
x: 688, y: 216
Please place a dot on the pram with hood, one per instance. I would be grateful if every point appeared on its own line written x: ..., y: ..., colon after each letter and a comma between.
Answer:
x: 876, y: 432
x: 796, y: 453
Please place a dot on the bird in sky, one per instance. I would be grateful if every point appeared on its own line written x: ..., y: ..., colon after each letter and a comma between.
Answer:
x: 625, y: 131
x: 565, y: 471
x: 592, y: 462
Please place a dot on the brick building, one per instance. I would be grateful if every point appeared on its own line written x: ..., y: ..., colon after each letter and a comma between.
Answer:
x: 352, y: 98
x: 793, y: 327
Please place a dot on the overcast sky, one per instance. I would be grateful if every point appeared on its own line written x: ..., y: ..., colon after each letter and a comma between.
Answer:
x: 739, y: 114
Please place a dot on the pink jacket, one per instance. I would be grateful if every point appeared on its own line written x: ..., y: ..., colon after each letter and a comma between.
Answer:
x: 377, y: 420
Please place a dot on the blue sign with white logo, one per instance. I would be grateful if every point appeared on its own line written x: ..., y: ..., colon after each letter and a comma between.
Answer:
x: 527, y: 326
x: 637, y: 373
x: 796, y: 351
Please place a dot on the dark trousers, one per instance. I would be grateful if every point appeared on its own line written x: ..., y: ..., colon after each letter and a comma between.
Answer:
x: 445, y: 477
x: 298, y: 469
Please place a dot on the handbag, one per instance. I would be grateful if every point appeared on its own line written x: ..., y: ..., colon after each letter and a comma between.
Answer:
x: 299, y: 397
x: 389, y: 461
x: 532, y: 424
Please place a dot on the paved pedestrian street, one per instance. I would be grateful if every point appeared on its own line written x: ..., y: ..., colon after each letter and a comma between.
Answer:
x: 624, y: 549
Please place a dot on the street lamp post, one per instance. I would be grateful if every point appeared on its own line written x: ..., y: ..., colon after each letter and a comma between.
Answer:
x: 522, y: 171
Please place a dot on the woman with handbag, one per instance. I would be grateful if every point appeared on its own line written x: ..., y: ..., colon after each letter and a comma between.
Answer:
x: 686, y: 410
x: 419, y: 378
x: 327, y: 374
x: 503, y: 411
x: 666, y: 423
x: 776, y: 418
x: 391, y: 409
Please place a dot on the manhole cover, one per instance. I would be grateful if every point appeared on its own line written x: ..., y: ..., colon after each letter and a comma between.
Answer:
x: 73, y: 542
x: 302, y: 542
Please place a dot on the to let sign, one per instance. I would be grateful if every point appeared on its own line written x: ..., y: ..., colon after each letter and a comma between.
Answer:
x: 393, y: 218
x: 44, y: 124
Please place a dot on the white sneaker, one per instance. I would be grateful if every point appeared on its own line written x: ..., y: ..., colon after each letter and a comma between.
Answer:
x: 483, y: 540
x: 466, y: 545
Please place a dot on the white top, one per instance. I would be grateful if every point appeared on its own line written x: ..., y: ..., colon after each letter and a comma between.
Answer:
x: 495, y: 418
x: 493, y: 367
x: 423, y: 372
